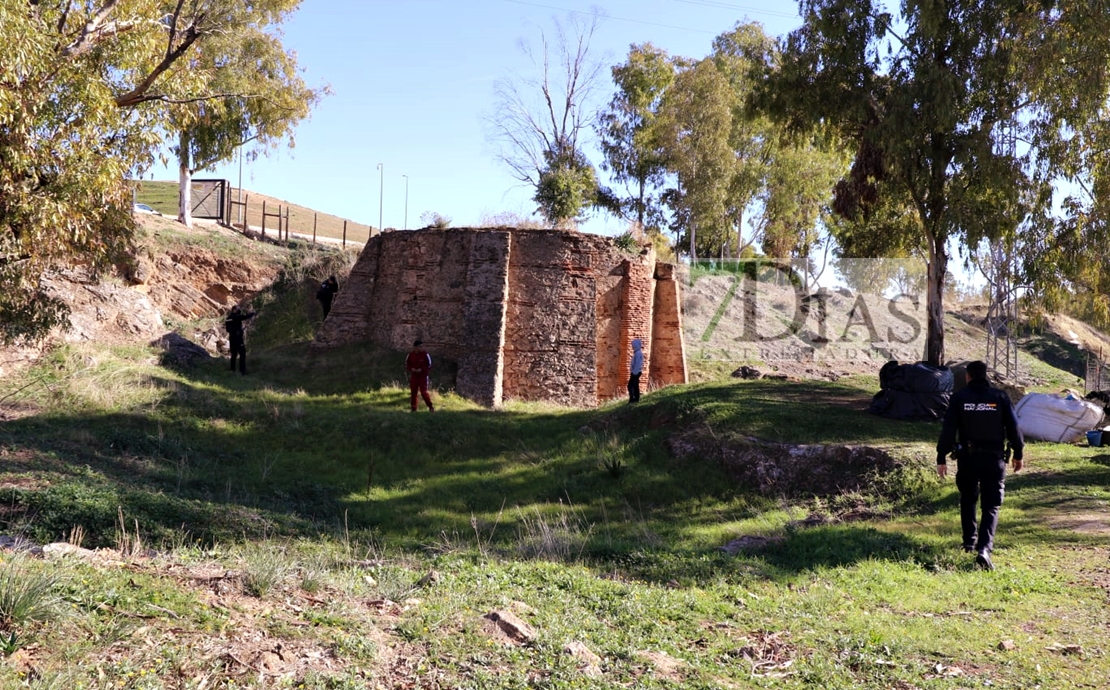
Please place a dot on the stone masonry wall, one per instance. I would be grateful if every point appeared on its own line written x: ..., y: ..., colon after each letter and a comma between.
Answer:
x: 527, y: 314
x: 552, y: 319
x: 481, y: 360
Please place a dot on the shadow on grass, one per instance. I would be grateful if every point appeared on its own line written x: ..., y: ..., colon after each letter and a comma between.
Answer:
x: 223, y: 456
x: 834, y: 546
x: 329, y: 447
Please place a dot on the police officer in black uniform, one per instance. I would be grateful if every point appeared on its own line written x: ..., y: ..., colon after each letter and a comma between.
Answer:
x: 980, y: 420
x: 236, y: 344
x: 326, y: 292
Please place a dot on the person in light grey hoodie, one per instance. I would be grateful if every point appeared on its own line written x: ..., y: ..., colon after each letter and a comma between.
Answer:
x: 636, y: 369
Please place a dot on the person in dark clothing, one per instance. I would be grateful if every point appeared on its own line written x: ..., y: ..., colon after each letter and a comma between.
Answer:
x: 326, y: 292
x: 978, y: 423
x: 636, y: 368
x: 236, y: 344
x: 418, y: 365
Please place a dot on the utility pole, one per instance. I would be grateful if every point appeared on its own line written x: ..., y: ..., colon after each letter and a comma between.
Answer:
x: 242, y: 211
x: 381, y: 194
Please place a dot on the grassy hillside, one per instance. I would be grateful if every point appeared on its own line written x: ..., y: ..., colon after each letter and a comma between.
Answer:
x: 298, y: 527
x: 162, y: 197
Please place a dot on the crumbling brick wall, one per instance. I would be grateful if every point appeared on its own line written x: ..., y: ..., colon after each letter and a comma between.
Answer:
x: 527, y: 314
x: 668, y: 362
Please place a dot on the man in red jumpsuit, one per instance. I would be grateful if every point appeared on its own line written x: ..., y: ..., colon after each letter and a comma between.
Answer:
x: 418, y: 364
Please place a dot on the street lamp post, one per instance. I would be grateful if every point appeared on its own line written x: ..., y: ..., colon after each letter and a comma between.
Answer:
x: 239, y: 207
x: 406, y: 201
x: 381, y: 194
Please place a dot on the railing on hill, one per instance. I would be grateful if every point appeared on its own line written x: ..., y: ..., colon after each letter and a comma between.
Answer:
x: 277, y: 215
x: 241, y: 207
x: 282, y: 215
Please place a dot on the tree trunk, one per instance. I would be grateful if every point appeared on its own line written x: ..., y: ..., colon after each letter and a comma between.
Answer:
x: 640, y: 204
x: 185, y: 183
x: 937, y: 270
x: 693, y: 239
x: 740, y: 233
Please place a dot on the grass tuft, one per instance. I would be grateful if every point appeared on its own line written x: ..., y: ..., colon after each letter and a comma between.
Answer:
x: 27, y: 594
x: 265, y: 566
x: 561, y: 534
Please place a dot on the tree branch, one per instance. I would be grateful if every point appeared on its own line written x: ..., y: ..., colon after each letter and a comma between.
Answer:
x: 191, y: 33
x: 64, y: 18
x: 201, y: 165
x: 93, y: 30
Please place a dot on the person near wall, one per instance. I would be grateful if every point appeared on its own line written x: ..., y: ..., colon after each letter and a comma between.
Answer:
x: 418, y: 365
x: 978, y: 423
x: 236, y: 342
x: 326, y: 293
x: 636, y: 368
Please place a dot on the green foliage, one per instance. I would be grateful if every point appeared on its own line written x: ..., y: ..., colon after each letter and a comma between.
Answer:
x: 262, y: 95
x: 611, y: 453
x: 567, y: 186
x: 695, y: 123
x: 935, y: 112
x: 628, y: 133
x: 84, y: 101
x: 627, y: 242
x: 61, y: 177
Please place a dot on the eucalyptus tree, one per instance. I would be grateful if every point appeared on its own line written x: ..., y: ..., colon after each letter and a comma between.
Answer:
x: 85, y: 93
x: 541, y: 117
x: 1067, y: 262
x: 694, y: 125
x: 734, y: 167
x: 744, y: 55
x: 930, y: 99
x: 799, y: 179
x: 246, y: 92
x: 629, y: 133
x: 65, y: 149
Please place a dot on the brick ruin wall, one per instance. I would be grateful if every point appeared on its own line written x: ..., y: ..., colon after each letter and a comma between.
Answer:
x: 527, y: 314
x: 668, y: 360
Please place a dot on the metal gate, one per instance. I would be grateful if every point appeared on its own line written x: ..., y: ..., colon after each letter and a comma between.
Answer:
x: 210, y: 199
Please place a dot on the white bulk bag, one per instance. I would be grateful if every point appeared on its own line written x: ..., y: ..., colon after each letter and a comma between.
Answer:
x: 1062, y: 418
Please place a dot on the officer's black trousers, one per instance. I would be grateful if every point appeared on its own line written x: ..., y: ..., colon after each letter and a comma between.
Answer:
x: 982, y: 476
x: 238, y: 350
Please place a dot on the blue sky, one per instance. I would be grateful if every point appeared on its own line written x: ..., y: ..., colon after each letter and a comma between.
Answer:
x: 412, y: 80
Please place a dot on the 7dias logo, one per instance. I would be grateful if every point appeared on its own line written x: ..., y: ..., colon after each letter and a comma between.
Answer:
x: 764, y: 310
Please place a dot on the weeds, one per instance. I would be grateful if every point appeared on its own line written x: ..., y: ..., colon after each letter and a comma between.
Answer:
x: 127, y: 543
x: 9, y: 643
x: 314, y: 573
x: 610, y: 452
x: 264, y: 567
x: 627, y: 242
x: 561, y: 537
x: 26, y: 595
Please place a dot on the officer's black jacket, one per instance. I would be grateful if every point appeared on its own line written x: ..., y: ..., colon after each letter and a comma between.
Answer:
x: 234, y: 323
x: 982, y: 419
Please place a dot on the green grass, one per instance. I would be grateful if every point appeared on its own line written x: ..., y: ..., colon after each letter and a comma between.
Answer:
x: 299, y: 512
